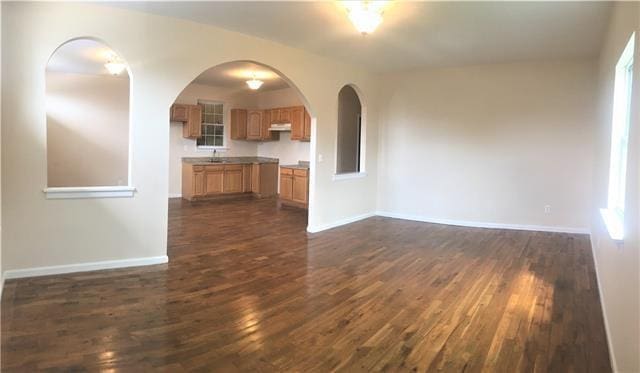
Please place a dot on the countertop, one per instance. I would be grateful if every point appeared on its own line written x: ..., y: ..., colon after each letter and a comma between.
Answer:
x: 229, y: 160
x: 298, y: 166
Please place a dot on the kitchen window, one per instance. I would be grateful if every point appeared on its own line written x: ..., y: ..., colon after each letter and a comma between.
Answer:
x: 614, y: 213
x: 212, y: 125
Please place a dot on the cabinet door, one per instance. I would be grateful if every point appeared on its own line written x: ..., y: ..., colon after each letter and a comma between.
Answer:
x: 233, y: 179
x: 297, y: 123
x: 300, y: 189
x: 285, y: 115
x: 213, y: 181
x: 198, y: 183
x: 286, y: 186
x: 254, y: 125
x: 275, y: 115
x: 179, y: 113
x: 306, y: 133
x: 192, y: 129
x: 255, y: 178
x: 246, y: 178
x: 238, y: 124
x: 266, y: 123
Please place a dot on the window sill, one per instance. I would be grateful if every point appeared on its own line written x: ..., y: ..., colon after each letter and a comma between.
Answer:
x: 614, y: 224
x: 352, y: 175
x: 89, y: 192
x: 209, y: 149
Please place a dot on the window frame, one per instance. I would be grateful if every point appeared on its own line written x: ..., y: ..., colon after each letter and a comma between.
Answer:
x: 614, y: 214
x: 204, y: 124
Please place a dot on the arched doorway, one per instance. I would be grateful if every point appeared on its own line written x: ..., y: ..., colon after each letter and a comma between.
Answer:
x: 241, y: 130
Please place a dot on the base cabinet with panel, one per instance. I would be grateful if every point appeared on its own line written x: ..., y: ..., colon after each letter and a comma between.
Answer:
x: 294, y: 186
x: 202, y: 181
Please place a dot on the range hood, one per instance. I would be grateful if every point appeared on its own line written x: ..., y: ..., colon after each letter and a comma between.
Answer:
x: 280, y: 127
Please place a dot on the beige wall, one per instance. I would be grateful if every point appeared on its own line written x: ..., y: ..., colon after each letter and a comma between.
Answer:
x: 164, y: 55
x: 87, y: 130
x: 349, y: 111
x: 489, y: 144
x: 618, y: 266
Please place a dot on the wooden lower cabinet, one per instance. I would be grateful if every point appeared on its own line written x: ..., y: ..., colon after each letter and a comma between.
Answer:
x: 294, y: 186
x: 209, y: 181
x: 213, y: 179
x: 232, y: 182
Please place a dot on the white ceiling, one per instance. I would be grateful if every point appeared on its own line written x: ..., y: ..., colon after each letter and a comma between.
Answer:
x: 234, y: 75
x: 82, y: 56
x: 413, y: 34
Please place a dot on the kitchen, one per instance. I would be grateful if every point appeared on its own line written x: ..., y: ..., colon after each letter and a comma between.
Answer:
x: 240, y: 130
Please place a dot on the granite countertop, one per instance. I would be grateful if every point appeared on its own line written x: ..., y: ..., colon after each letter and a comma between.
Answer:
x: 300, y: 165
x: 229, y: 160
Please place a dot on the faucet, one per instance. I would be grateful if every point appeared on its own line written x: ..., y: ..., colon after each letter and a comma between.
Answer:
x: 214, y: 155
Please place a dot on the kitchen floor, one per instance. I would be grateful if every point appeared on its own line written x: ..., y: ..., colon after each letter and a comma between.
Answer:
x: 247, y: 289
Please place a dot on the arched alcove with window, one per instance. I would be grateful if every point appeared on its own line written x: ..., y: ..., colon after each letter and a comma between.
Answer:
x: 87, y: 107
x: 351, y: 125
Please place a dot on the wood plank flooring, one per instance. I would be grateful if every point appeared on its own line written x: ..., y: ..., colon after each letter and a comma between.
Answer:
x: 247, y: 289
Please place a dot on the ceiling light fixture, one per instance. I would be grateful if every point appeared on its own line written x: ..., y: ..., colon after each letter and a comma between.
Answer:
x: 366, y: 16
x: 114, y: 65
x: 254, y: 83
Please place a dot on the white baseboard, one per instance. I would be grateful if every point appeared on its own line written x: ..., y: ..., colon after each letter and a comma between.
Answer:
x: 477, y: 224
x: 84, y: 267
x: 175, y: 195
x: 324, y: 227
x: 612, y: 356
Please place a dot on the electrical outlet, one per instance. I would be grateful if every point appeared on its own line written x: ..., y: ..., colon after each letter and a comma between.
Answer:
x: 547, y: 209
x: 320, y: 158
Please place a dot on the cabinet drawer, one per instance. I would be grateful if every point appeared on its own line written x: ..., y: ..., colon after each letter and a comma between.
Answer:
x: 300, y: 172
x: 233, y: 167
x: 286, y: 171
x: 214, y: 168
x: 198, y: 168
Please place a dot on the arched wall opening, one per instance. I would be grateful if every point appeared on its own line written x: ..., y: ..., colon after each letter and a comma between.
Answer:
x: 205, y: 131
x: 351, y: 132
x: 87, y: 89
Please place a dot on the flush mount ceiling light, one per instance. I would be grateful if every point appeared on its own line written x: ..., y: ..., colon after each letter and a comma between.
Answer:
x: 366, y: 16
x: 114, y: 65
x: 254, y: 83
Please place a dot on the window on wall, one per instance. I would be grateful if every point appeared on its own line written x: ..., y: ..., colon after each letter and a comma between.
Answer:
x: 212, y: 125
x: 614, y: 214
x: 87, y: 108
x: 349, y: 151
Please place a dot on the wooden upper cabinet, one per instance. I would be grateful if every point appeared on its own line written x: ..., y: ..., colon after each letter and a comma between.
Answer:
x: 306, y: 133
x: 192, y: 128
x: 254, y: 125
x: 179, y: 113
x: 238, y: 124
x: 285, y: 115
x: 274, y: 115
x: 266, y: 124
x: 297, y: 122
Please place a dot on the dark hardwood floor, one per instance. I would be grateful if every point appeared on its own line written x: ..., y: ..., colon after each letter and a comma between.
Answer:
x: 247, y: 289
